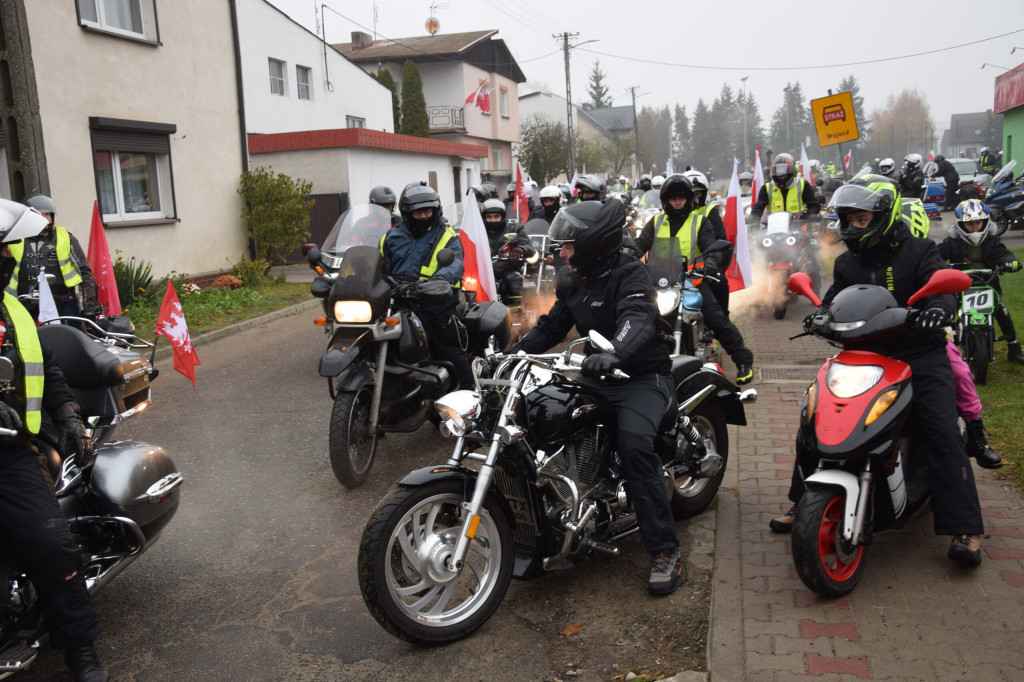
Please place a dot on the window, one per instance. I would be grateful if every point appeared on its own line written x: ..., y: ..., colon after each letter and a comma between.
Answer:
x: 130, y: 18
x: 503, y: 98
x: 302, y: 78
x: 276, y: 77
x: 132, y: 160
x: 355, y: 122
x: 497, y: 159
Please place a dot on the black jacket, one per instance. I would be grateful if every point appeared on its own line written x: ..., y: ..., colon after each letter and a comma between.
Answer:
x: 706, y: 236
x: 912, y: 183
x: 618, y: 303
x: 902, y: 265
x: 948, y: 173
x: 991, y: 253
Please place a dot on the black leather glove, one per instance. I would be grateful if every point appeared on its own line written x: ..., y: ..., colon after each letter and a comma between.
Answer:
x: 928, y: 319
x: 92, y: 308
x: 516, y: 254
x: 9, y: 418
x: 72, y: 437
x: 808, y: 321
x: 597, y: 365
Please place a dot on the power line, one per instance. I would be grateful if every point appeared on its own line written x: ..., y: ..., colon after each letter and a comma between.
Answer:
x: 805, y: 67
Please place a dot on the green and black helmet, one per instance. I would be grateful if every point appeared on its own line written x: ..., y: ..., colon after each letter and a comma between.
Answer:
x: 875, y: 193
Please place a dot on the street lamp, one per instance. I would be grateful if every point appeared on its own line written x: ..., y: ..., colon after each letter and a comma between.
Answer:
x: 789, y: 141
x: 995, y: 65
x: 745, y: 146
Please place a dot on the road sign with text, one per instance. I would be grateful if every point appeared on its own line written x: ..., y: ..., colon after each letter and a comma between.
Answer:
x: 834, y: 119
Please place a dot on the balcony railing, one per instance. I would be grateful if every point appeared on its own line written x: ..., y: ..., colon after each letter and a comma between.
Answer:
x: 446, y: 118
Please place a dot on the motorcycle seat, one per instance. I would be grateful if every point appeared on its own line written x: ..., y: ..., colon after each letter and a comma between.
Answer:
x: 84, y: 362
x: 683, y: 366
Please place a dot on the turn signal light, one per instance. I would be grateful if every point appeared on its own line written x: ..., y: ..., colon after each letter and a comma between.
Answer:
x: 320, y: 321
x: 882, y: 403
x: 812, y: 397
x: 391, y: 321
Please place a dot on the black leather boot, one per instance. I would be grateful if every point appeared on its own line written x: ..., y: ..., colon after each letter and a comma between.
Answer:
x: 1013, y: 353
x: 85, y: 662
x: 978, y: 447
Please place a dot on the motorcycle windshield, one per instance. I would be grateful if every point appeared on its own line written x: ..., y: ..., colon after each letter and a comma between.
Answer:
x: 360, y: 225
x: 360, y: 278
x: 651, y: 199
x: 665, y: 261
x: 1006, y: 170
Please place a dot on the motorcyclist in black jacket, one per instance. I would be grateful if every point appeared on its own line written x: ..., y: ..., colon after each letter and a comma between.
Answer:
x: 947, y: 171
x: 550, y: 202
x: 507, y: 253
x: 912, y: 177
x: 609, y: 291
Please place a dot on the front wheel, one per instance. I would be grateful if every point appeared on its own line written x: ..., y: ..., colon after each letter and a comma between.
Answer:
x: 780, y: 294
x: 1001, y: 227
x: 691, y: 496
x: 828, y: 564
x: 351, y: 445
x: 404, y: 571
x: 979, y: 352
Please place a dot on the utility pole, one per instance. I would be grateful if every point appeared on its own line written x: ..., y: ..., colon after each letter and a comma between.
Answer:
x: 568, y: 98
x: 745, y: 147
x: 636, y: 135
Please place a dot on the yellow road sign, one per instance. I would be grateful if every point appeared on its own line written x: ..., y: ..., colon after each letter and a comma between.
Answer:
x: 834, y: 119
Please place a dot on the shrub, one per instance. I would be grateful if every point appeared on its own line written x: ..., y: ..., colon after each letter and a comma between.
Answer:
x: 277, y: 212
x: 252, y: 273
x: 134, y: 278
x: 226, y: 282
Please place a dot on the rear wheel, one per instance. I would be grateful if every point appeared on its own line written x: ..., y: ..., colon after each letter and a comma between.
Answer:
x: 691, y: 496
x: 979, y: 352
x: 828, y: 564
x: 352, y: 445
x: 1001, y: 227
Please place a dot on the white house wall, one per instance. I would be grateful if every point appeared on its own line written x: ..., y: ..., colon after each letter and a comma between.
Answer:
x: 187, y: 80
x: 264, y: 33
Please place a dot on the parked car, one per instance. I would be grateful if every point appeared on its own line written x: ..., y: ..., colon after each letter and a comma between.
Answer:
x: 935, y: 187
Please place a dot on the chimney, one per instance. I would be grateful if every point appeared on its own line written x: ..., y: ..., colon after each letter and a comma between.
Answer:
x: 361, y: 40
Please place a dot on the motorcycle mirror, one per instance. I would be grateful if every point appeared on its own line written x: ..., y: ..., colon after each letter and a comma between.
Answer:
x: 800, y: 283
x: 6, y: 370
x: 942, y: 282
x: 306, y: 248
x: 312, y: 253
x: 445, y: 257
x: 600, y: 342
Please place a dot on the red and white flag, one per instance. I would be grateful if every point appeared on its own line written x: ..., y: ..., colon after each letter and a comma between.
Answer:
x: 102, y: 268
x: 755, y: 185
x: 522, y: 198
x: 738, y: 272
x: 480, y: 98
x: 931, y: 155
x: 478, y: 274
x: 846, y: 159
x: 575, y: 177
x: 171, y: 324
x: 805, y: 165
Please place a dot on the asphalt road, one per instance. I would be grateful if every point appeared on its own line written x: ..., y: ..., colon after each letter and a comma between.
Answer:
x: 254, y: 579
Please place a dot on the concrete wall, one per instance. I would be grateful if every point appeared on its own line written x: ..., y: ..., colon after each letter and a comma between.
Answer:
x: 1013, y: 138
x: 188, y: 80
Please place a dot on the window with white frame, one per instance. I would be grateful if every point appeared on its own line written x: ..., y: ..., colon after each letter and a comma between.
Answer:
x: 130, y: 18
x: 497, y: 159
x: 132, y: 160
x: 277, y: 86
x: 503, y: 101
x: 303, y: 75
x: 355, y: 122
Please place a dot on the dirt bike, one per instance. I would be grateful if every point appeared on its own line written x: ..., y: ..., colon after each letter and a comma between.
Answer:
x: 787, y: 246
x: 974, y: 332
x: 870, y: 473
x: 118, y: 504
x: 545, y: 489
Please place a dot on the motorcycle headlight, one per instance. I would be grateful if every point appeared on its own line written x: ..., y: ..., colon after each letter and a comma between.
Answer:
x: 790, y: 241
x: 668, y: 300
x: 766, y: 242
x: 352, y: 311
x: 847, y: 381
x: 459, y: 409
x: 534, y: 258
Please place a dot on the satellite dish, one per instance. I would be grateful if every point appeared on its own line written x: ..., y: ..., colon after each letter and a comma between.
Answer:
x: 433, y: 26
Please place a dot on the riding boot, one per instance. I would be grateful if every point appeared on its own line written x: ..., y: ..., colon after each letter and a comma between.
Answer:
x: 978, y: 447
x: 1013, y: 352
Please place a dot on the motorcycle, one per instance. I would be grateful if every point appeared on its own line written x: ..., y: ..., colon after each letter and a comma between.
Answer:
x: 646, y: 206
x: 117, y: 505
x: 378, y: 368
x: 787, y: 247
x: 512, y: 264
x: 539, y: 274
x: 547, y: 490
x: 678, y: 299
x: 974, y: 332
x: 870, y: 474
x: 1005, y: 200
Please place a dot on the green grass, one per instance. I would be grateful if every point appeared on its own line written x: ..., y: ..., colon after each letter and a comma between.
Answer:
x: 213, y: 308
x: 1001, y: 395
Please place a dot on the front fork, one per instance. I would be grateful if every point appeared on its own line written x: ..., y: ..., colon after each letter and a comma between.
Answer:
x: 858, y: 495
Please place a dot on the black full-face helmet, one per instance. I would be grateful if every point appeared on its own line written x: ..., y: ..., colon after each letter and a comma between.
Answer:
x: 677, y: 185
x: 416, y: 196
x: 492, y: 206
x: 783, y: 169
x: 490, y: 189
x: 593, y: 228
x: 875, y: 193
x: 645, y: 182
x: 591, y: 183
x: 382, y: 195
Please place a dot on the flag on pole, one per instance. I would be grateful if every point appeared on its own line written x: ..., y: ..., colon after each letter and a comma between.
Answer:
x: 102, y: 268
x: 522, y: 198
x: 669, y: 169
x: 171, y: 324
x: 47, y: 306
x: 805, y: 165
x: 758, y: 181
x: 480, y: 98
x: 847, y: 158
x: 931, y: 155
x: 572, y: 185
x: 478, y: 274
x: 738, y: 272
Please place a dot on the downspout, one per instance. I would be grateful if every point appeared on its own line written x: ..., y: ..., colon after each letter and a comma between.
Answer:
x: 241, y: 102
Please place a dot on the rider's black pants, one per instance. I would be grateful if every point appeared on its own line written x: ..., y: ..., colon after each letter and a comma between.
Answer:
x: 640, y: 404
x: 37, y: 534
x: 725, y: 331
x: 1002, y: 315
x: 446, y: 343
x: 955, y: 506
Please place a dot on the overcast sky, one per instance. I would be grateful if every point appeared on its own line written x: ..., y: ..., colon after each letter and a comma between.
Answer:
x: 771, y: 43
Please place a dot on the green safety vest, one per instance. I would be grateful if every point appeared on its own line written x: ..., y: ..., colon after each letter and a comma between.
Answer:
x: 988, y: 162
x: 31, y: 354
x: 67, y: 266
x: 794, y: 202
x: 427, y: 271
x: 687, y: 238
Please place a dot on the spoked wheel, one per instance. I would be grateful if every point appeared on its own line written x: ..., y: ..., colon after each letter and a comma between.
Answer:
x: 351, y: 444
x: 691, y: 496
x: 780, y: 295
x: 828, y: 564
x: 404, y: 563
x: 978, y: 351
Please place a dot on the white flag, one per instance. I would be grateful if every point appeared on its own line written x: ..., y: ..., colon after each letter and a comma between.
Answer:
x: 478, y: 273
x: 805, y: 165
x: 47, y: 306
x: 669, y: 170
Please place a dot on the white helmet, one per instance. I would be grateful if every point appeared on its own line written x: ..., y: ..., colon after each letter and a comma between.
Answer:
x: 984, y: 149
x: 18, y: 221
x: 886, y: 165
x: 700, y: 186
x: 551, y: 192
x: 657, y: 181
x: 913, y: 160
x: 970, y: 211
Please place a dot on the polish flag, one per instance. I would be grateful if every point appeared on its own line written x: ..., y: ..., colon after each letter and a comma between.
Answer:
x: 102, y: 268
x: 846, y: 159
x: 931, y: 155
x: 738, y: 273
x: 572, y: 185
x: 478, y: 274
x: 522, y: 198
x: 480, y: 98
x: 805, y: 165
x: 758, y: 181
x: 171, y: 324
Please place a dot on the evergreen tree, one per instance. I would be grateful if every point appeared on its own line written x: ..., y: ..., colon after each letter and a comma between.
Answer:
x: 536, y: 169
x: 680, y: 139
x: 727, y: 140
x: 385, y: 79
x: 850, y: 84
x: 791, y: 122
x: 702, y: 136
x: 414, y: 106
x: 755, y: 128
x: 597, y: 90
x: 654, y: 127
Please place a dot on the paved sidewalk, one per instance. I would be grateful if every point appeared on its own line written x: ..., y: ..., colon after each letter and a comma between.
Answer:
x: 914, y: 616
